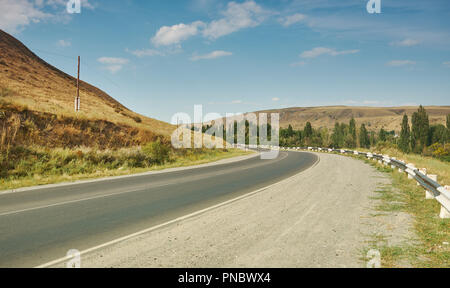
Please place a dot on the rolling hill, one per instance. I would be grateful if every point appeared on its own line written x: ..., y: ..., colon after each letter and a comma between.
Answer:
x: 375, y: 118
x: 28, y: 81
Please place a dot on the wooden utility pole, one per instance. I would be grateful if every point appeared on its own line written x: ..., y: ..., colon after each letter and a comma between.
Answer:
x: 77, y: 100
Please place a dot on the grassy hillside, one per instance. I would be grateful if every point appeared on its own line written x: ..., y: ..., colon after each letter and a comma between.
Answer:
x: 42, y: 139
x: 28, y: 81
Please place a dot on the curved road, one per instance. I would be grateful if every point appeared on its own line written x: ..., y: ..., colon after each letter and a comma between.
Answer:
x: 42, y: 225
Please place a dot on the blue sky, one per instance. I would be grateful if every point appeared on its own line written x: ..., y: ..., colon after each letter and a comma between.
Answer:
x: 160, y: 57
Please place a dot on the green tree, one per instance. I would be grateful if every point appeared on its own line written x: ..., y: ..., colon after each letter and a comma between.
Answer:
x: 405, y: 136
x: 290, y: 131
x: 308, y: 132
x: 337, y: 138
x: 447, y: 139
x: 382, y: 135
x: 438, y: 134
x: 420, y: 130
x: 364, y: 140
x: 373, y: 139
x: 351, y: 143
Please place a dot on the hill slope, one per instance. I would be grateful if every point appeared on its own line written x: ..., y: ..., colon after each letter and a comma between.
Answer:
x: 375, y: 118
x: 27, y: 80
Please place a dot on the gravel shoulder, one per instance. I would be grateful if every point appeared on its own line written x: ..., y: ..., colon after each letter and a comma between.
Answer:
x: 317, y: 218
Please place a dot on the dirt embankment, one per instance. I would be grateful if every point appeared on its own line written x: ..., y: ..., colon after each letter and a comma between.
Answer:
x: 20, y: 126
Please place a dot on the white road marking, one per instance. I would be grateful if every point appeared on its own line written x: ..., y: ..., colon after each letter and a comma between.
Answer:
x: 116, y: 241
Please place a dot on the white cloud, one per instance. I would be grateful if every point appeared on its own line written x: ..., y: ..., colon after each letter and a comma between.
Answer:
x: 63, y: 3
x: 169, y: 35
x: 298, y: 64
x: 292, y: 19
x: 318, y: 51
x: 145, y: 52
x: 237, y: 16
x: 112, y: 60
x: 113, y: 69
x: 64, y: 43
x: 399, y: 63
x: 276, y: 99
x: 112, y: 64
x: 371, y: 102
x: 236, y: 102
x: 17, y: 14
x: 212, y: 55
x: 447, y: 63
x: 406, y: 43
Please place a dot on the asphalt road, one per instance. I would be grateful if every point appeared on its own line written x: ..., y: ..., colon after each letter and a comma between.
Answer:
x: 42, y: 225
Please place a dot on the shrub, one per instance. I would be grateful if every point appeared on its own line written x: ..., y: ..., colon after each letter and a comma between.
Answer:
x: 439, y: 151
x: 159, y: 152
x: 383, y: 145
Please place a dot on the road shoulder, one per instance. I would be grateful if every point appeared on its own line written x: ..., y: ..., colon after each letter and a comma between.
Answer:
x: 314, y: 219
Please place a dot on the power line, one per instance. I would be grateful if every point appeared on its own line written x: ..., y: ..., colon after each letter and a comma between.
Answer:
x: 85, y: 65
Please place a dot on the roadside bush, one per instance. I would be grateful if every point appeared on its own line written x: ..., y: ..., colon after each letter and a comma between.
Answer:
x: 158, y: 151
x: 440, y: 151
x: 383, y: 145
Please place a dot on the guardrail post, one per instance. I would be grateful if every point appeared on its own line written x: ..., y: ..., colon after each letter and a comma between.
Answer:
x: 392, y: 164
x: 445, y: 214
x: 429, y: 194
x: 400, y: 169
x: 410, y: 167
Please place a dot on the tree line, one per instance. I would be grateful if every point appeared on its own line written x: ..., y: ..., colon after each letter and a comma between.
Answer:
x: 416, y: 136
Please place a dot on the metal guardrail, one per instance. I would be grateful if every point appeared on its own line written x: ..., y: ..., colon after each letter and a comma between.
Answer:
x: 433, y: 189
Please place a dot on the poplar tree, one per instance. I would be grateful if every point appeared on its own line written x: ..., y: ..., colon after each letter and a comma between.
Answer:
x: 420, y: 130
x: 364, y: 140
x: 448, y: 129
x: 405, y: 136
x: 352, y: 133
x: 308, y: 130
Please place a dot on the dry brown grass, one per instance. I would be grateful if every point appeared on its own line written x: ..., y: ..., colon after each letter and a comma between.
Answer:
x: 433, y: 165
x: 20, y: 126
x: 375, y: 118
x: 31, y: 166
x: 33, y: 83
